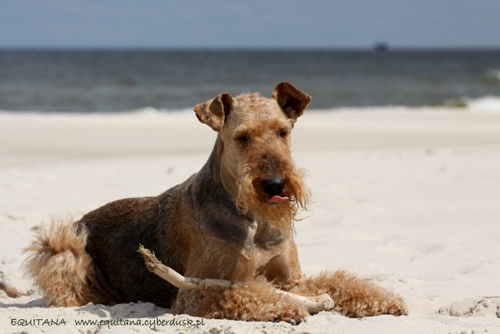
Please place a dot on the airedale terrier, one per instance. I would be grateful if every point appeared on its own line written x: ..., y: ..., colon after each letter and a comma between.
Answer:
x: 232, y: 220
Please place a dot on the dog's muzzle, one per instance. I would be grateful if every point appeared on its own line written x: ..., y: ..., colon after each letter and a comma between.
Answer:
x: 273, y: 186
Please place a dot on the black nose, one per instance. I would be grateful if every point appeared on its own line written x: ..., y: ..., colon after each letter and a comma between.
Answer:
x: 273, y: 185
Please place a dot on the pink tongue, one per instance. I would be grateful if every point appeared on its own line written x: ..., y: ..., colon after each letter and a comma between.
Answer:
x: 277, y: 199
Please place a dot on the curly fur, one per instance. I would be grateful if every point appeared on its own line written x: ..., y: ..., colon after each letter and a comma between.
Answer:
x: 250, y: 194
x: 255, y: 301
x: 60, y: 265
x: 353, y: 296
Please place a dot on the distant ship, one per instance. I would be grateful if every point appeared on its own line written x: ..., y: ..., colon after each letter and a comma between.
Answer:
x: 381, y: 47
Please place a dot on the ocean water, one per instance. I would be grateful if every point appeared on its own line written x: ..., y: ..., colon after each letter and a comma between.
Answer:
x: 127, y: 80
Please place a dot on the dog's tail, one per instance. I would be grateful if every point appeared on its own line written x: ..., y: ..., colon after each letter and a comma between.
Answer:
x: 60, y: 265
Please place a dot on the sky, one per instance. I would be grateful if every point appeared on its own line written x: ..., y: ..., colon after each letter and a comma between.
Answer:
x: 249, y: 24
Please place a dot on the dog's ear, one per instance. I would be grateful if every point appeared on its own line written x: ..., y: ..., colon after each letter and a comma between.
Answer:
x: 214, y: 112
x: 292, y: 100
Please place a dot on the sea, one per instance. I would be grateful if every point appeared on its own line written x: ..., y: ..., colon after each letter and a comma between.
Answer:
x: 107, y: 81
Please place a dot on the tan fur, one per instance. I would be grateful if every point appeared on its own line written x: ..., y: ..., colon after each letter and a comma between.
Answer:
x: 269, y: 155
x: 60, y: 265
x: 255, y: 301
x: 220, y: 223
x: 353, y: 296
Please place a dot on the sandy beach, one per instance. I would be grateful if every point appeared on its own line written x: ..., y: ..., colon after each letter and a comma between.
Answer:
x: 406, y: 198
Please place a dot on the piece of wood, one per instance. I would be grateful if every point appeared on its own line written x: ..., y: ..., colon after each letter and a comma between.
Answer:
x: 313, y: 304
x: 13, y: 292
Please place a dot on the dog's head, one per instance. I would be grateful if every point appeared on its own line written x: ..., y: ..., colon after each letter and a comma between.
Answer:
x: 254, y: 150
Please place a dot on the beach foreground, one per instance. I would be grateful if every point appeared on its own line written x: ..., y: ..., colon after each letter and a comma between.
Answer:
x: 409, y: 199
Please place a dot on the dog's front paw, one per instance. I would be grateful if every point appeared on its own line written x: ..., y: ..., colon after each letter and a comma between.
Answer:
x: 294, y: 320
x: 395, y: 306
x: 368, y: 307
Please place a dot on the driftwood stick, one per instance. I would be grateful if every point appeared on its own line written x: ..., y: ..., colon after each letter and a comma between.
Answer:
x: 313, y: 304
x: 173, y: 277
x: 13, y: 292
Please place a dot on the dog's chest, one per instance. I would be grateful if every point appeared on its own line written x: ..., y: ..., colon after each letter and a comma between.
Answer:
x: 264, y: 242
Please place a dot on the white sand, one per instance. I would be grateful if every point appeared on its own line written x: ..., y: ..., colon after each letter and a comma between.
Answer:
x: 410, y: 200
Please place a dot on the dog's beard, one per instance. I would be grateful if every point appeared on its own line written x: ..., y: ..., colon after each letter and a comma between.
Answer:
x: 252, y: 199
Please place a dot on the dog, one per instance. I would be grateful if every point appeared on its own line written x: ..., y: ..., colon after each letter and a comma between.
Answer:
x: 232, y: 220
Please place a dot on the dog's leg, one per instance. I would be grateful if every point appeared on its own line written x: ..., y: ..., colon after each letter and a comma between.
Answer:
x: 353, y: 296
x: 258, y: 301
x: 254, y: 301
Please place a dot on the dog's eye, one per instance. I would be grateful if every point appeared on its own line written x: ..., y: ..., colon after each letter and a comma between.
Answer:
x: 283, y: 133
x: 243, y: 139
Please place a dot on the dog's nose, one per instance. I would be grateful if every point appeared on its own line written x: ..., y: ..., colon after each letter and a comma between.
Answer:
x: 273, y: 185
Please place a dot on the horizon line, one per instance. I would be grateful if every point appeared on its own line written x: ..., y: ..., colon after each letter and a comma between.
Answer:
x: 249, y: 48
